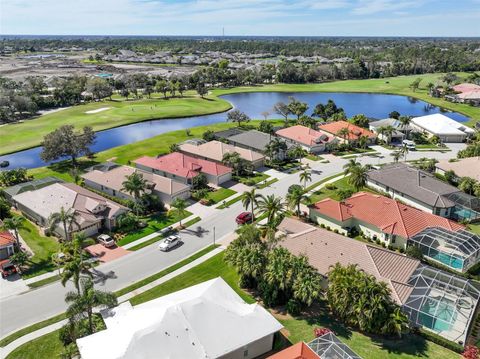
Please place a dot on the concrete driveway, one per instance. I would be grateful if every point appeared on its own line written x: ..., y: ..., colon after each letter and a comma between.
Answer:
x: 12, y: 285
x: 104, y: 254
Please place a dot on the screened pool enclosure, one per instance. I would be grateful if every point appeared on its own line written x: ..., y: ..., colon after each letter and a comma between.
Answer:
x: 328, y: 346
x: 456, y: 250
x: 442, y: 302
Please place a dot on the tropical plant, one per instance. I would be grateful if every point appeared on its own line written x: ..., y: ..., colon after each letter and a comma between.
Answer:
x: 273, y: 207
x: 295, y: 198
x: 266, y: 127
x: 19, y: 258
x: 297, y: 108
x: 74, y: 266
x: 297, y: 152
x: 65, y: 217
x: 239, y: 165
x: 405, y: 124
x: 358, y: 176
x: 305, y: 176
x: 14, y: 224
x: 282, y: 109
x: 174, y: 147
x: 250, y: 199
x: 344, y: 133
x: 360, y: 120
x: 404, y: 151
x: 363, y: 142
x: 414, y: 252
x: 82, y: 303
x: 180, y: 206
x: 396, y: 155
x: 127, y: 221
x: 275, y: 147
x: 467, y: 185
x: 237, y: 116
x: 350, y: 166
x: 135, y: 185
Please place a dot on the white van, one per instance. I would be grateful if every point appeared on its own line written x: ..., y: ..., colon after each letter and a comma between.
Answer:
x: 409, y: 144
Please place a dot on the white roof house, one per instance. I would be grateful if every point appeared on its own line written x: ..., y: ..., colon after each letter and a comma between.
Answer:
x: 208, y: 320
x: 445, y: 128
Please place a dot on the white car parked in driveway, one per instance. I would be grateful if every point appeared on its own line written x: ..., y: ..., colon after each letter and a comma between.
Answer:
x: 106, y: 240
x: 169, y: 243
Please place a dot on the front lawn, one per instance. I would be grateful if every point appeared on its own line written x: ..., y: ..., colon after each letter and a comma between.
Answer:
x: 42, y: 247
x: 330, y: 190
x: 154, y: 224
x: 252, y: 179
x: 48, y: 346
x: 220, y: 194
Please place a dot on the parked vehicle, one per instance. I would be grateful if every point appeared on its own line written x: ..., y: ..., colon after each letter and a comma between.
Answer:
x: 169, y: 243
x: 409, y: 144
x: 106, y: 240
x: 166, y: 230
x: 7, y: 268
x: 244, y: 217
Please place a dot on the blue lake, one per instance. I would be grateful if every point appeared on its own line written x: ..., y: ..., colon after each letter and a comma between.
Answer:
x: 372, y: 105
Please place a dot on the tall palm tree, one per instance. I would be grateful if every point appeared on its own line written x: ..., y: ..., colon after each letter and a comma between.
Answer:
x: 250, y: 199
x: 358, y: 177
x: 396, y: 155
x: 405, y: 122
x: 73, y: 264
x: 295, y: 198
x: 66, y: 217
x: 273, y: 207
x: 363, y: 141
x: 350, y: 166
x: 344, y: 133
x: 305, y: 176
x: 467, y: 185
x: 134, y: 185
x: 81, y: 304
x: 397, y: 323
x: 404, y: 151
x: 14, y: 224
x: 180, y: 206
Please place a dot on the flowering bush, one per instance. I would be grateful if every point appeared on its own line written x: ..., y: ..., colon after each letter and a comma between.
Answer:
x: 471, y: 352
x: 318, y: 332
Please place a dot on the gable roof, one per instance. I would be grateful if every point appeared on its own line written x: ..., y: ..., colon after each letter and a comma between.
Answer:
x: 114, y: 177
x: 388, y: 215
x: 355, y: 131
x: 207, y: 320
x: 417, y: 184
x: 324, y: 249
x: 215, y: 150
x: 297, y: 351
x: 305, y: 135
x: 463, y: 167
x: 183, y: 165
x: 6, y: 239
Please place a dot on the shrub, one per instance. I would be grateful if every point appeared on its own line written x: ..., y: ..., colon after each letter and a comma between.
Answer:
x: 330, y: 186
x: 293, y: 307
x: 322, y: 225
x: 335, y: 230
x: 318, y: 332
x: 440, y: 340
x: 414, y: 252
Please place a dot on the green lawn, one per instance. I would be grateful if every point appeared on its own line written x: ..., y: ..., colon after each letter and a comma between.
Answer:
x: 220, y: 194
x: 313, y: 157
x: 392, y: 85
x: 42, y: 247
x: 48, y: 346
x: 332, y: 193
x: 19, y: 136
x: 475, y: 228
x: 253, y: 179
x: 232, y: 201
x: 154, y: 224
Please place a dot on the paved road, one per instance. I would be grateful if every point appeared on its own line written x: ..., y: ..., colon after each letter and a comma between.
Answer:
x: 36, y: 305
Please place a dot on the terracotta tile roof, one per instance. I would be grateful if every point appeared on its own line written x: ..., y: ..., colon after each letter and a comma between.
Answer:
x: 305, y: 135
x: 6, y: 238
x: 183, y: 165
x: 466, y: 87
x: 297, y: 351
x: 355, y: 131
x: 215, y: 150
x: 386, y: 214
x: 324, y: 249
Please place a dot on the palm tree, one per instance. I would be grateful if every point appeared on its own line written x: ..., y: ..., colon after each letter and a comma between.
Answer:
x: 73, y: 264
x: 396, y: 155
x: 305, y: 176
x: 295, y: 198
x: 14, y: 224
x: 250, y: 199
x: 180, y: 206
x: 344, y: 133
x: 397, y: 323
x: 297, y: 152
x: 134, y: 185
x: 405, y: 122
x: 66, y: 217
x: 358, y: 177
x: 81, y: 304
x: 275, y: 147
x: 350, y: 166
x: 273, y: 207
x: 404, y: 151
x: 467, y: 185
x: 363, y: 141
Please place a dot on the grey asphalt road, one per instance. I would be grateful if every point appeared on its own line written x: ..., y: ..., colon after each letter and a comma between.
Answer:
x: 33, y: 306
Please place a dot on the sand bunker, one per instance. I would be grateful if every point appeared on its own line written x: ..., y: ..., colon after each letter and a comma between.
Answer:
x: 98, y: 110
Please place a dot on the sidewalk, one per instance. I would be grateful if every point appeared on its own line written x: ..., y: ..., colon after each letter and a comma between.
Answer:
x: 48, y: 329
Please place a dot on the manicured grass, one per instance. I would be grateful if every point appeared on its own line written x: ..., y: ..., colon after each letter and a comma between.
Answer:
x: 266, y: 184
x: 232, y: 201
x: 253, y: 179
x: 220, y: 194
x: 475, y: 228
x: 20, y: 333
x: 42, y: 247
x: 332, y: 193
x: 392, y: 85
x: 169, y: 270
x: 41, y: 283
x: 191, y: 222
x: 302, y: 328
x: 313, y: 157
x: 316, y: 184
x: 154, y: 224
x: 19, y: 136
x: 45, y: 347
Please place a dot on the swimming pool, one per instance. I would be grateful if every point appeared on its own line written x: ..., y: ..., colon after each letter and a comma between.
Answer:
x: 448, y: 260
x: 443, y: 319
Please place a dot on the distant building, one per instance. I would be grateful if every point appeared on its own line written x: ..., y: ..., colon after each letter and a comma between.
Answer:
x: 256, y: 141
x: 354, y: 131
x: 7, y: 245
x: 399, y: 133
x: 311, y: 140
x: 463, y: 167
x: 446, y: 129
x: 208, y: 320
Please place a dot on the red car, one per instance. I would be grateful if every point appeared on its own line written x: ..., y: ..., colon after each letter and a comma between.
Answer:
x: 7, y: 268
x: 244, y: 217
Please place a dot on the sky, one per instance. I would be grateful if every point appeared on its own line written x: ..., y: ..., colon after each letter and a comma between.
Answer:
x: 241, y: 17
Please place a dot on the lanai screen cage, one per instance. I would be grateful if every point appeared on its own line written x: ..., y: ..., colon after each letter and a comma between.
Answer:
x: 457, y: 250
x: 442, y: 302
x: 328, y: 346
x: 467, y: 207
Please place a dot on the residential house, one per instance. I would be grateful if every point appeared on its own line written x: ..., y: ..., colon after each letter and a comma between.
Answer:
x: 208, y: 320
x: 326, y: 346
x: 418, y: 289
x: 422, y: 190
x: 92, y: 211
x: 29, y: 186
x: 226, y: 134
x: 446, y: 129
x: 184, y: 168
x: 7, y: 245
x: 109, y: 177
x: 463, y: 167
x: 466, y: 93
x: 399, y: 134
x: 354, y: 131
x: 216, y: 150
x: 311, y: 140
x: 466, y: 87
x: 257, y: 141
x: 377, y: 217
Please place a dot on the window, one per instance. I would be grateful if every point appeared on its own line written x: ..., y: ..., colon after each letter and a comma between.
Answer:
x: 394, y: 237
x: 245, y: 353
